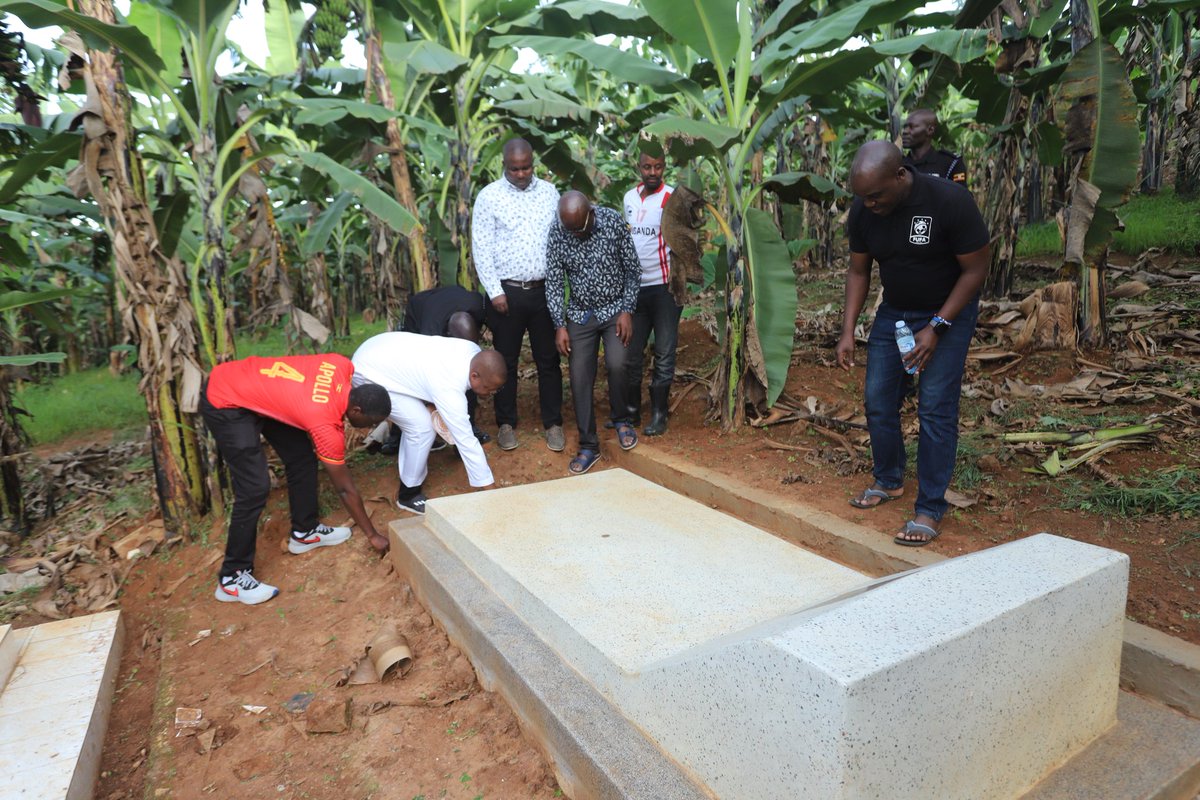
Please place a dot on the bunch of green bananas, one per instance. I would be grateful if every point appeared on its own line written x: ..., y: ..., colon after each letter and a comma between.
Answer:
x: 329, y: 27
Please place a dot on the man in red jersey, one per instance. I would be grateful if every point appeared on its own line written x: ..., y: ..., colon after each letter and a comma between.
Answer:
x: 296, y: 403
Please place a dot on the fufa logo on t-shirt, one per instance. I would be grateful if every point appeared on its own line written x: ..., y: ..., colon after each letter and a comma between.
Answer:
x: 919, y: 232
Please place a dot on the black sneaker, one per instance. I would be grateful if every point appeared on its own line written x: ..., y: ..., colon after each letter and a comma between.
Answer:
x: 438, y: 444
x: 415, y: 503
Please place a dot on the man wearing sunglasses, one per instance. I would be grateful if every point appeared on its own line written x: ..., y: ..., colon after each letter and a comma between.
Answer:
x: 591, y: 253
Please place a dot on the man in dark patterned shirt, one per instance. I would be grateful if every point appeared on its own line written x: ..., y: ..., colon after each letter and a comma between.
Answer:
x: 590, y: 251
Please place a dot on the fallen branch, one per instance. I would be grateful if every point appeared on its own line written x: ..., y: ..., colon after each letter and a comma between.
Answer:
x: 774, y: 445
x: 1181, y: 398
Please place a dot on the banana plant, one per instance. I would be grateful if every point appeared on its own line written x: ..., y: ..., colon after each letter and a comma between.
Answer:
x: 1098, y: 111
x: 458, y: 34
x: 759, y: 71
x: 13, y: 438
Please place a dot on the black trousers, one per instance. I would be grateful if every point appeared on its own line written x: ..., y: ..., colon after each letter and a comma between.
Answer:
x: 527, y: 312
x: 585, y: 342
x: 239, y: 434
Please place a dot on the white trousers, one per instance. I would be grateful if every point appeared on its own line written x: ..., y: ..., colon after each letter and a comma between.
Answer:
x: 412, y: 417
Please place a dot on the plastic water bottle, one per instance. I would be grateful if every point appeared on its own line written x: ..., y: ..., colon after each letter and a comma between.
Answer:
x: 906, y: 342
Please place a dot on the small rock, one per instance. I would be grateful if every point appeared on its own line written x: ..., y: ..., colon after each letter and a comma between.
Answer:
x: 10, y: 582
x: 990, y: 464
x: 328, y: 716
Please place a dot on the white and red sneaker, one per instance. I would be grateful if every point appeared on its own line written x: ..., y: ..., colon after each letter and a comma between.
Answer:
x: 244, y: 588
x: 320, y: 536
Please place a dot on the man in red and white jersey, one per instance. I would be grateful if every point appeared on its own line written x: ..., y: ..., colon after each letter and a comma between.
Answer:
x: 656, y: 308
x: 296, y: 403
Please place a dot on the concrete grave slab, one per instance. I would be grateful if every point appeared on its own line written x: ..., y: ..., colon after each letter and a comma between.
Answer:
x: 765, y: 671
x: 54, y: 706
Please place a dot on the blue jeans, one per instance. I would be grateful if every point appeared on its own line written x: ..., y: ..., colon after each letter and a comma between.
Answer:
x: 938, y: 389
x: 656, y: 310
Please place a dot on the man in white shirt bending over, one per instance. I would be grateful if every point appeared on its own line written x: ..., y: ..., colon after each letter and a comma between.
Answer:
x: 656, y: 308
x: 422, y: 371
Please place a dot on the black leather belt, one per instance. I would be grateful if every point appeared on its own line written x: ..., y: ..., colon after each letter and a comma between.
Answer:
x: 522, y: 284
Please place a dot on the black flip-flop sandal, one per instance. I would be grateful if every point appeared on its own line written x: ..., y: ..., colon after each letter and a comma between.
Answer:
x: 883, y: 496
x: 911, y: 527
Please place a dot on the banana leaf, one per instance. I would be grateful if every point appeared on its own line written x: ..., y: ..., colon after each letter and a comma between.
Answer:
x: 774, y: 287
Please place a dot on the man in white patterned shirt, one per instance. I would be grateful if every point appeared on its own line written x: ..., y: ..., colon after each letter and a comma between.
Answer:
x: 656, y: 307
x: 509, y: 227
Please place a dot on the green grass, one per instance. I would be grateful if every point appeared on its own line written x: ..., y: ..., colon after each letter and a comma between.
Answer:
x: 1161, y: 220
x: 1039, y: 239
x: 95, y: 400
x: 1175, y: 490
x: 81, y: 402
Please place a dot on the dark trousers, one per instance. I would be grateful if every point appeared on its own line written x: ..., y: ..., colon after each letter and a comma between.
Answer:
x: 939, y: 387
x: 526, y: 312
x: 585, y: 342
x: 656, y: 311
x: 238, y: 435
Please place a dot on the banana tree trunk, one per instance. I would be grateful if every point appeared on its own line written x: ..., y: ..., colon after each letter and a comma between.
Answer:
x: 1098, y: 184
x: 13, y: 442
x: 818, y: 217
x: 1005, y: 187
x: 1187, y: 159
x: 463, y: 156
x: 1155, y: 142
x: 728, y: 392
x: 155, y: 308
x: 317, y: 278
x: 424, y: 276
x: 267, y: 262
x: 385, y: 273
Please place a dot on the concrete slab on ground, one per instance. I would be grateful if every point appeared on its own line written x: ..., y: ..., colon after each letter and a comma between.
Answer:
x: 1153, y: 664
x: 806, y: 680
x: 54, y: 707
x: 593, y: 562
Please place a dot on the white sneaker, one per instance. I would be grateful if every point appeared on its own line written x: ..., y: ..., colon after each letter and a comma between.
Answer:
x: 320, y: 536
x: 244, y: 588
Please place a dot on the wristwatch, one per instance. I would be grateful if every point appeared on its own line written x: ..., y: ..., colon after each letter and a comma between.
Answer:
x: 939, y: 325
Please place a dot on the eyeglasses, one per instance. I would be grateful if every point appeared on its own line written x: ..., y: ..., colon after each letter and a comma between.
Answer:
x: 587, y: 222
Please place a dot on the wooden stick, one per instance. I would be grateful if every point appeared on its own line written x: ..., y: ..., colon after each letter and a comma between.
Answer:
x: 774, y: 445
x: 1179, y: 397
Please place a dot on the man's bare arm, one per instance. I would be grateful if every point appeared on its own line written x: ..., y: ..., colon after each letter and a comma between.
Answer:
x: 340, y: 475
x: 858, y: 284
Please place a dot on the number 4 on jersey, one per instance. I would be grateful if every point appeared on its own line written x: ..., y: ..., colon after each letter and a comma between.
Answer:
x: 282, y: 370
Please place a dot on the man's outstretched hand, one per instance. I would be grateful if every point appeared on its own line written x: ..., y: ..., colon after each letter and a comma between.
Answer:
x: 379, y: 543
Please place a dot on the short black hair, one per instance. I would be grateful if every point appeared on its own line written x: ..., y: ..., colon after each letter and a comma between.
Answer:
x: 372, y: 399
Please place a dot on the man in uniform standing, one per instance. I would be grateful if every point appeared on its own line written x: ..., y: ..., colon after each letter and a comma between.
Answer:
x: 590, y: 252
x: 931, y: 244
x: 296, y: 403
x: 509, y: 226
x: 917, y: 136
x: 656, y: 308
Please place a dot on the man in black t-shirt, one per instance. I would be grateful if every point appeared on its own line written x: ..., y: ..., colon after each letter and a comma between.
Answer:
x: 931, y: 244
x: 917, y: 137
x: 432, y: 311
